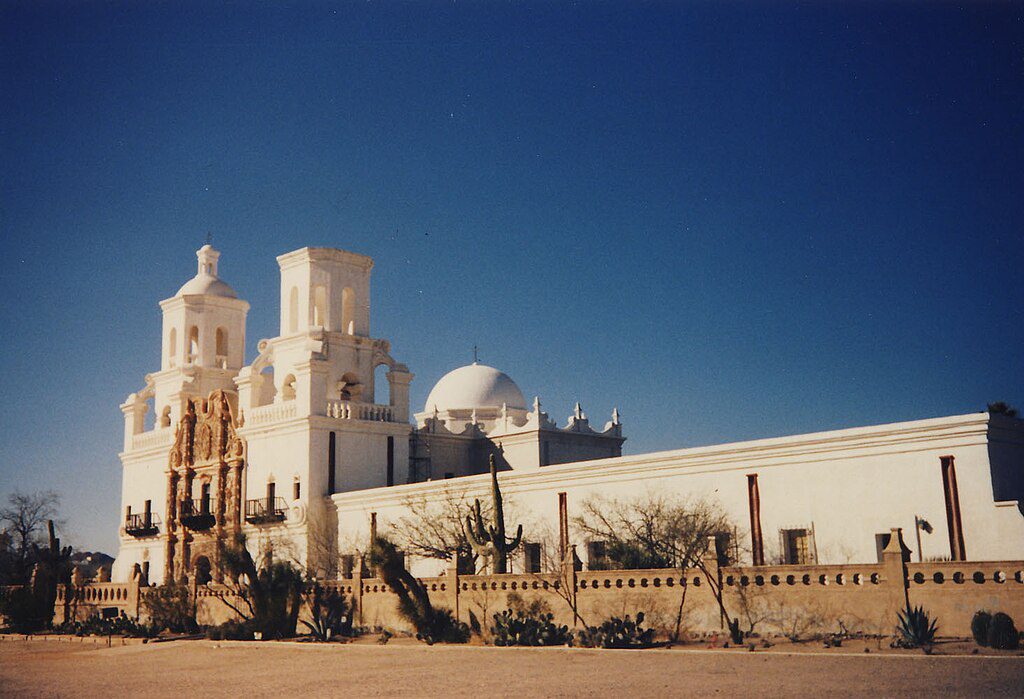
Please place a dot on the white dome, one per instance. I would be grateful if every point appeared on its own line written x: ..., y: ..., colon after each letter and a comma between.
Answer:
x: 207, y: 284
x: 474, y: 386
x: 206, y: 281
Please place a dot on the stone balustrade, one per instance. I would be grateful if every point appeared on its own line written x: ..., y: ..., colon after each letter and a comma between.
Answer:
x: 348, y: 410
x: 159, y: 437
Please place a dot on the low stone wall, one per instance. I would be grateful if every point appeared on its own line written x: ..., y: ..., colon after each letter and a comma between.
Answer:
x: 787, y: 599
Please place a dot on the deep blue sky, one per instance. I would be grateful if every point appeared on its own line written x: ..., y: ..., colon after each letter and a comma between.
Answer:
x: 731, y: 222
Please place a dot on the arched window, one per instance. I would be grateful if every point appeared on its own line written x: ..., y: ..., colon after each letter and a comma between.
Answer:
x: 348, y: 311
x: 320, y: 307
x: 381, y: 387
x: 293, y: 310
x: 222, y: 348
x: 193, y: 345
x: 172, y: 346
x: 349, y: 386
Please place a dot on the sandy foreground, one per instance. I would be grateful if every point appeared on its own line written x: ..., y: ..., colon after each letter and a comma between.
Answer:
x: 214, y: 669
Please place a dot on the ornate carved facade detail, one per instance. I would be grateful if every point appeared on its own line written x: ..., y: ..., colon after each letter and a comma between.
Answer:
x: 204, y: 488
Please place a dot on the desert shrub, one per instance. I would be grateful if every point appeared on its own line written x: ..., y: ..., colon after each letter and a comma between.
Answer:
x: 432, y: 625
x: 328, y: 614
x: 233, y: 630
x: 521, y: 629
x: 270, y: 595
x: 171, y: 607
x: 617, y: 633
x: 444, y: 628
x: 25, y: 612
x: 115, y: 626
x: 916, y: 629
x: 1002, y: 633
x: 979, y: 627
x: 735, y: 633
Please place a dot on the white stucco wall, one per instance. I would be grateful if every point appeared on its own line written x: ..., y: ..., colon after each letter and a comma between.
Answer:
x: 849, y: 485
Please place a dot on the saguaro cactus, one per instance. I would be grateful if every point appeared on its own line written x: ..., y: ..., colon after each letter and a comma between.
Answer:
x: 53, y: 568
x: 490, y: 541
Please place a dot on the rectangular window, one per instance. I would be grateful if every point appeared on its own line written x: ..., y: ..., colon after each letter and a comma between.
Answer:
x: 597, y: 557
x: 796, y: 546
x: 204, y: 499
x: 391, y: 460
x: 723, y: 548
x: 348, y: 564
x: 296, y: 490
x: 271, y: 493
x: 145, y: 571
x: 532, y: 555
x: 148, y: 513
x: 330, y: 464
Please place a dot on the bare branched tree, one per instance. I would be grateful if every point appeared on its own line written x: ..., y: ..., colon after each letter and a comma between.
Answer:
x: 24, y: 519
x: 658, y: 531
x: 435, y: 528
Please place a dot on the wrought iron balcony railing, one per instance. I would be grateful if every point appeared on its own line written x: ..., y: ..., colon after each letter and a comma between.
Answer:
x: 199, y: 513
x: 264, y: 510
x: 141, y: 525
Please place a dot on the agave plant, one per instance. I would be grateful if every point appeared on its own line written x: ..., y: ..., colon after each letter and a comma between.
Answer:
x: 916, y: 629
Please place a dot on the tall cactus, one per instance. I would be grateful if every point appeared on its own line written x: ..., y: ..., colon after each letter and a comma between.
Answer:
x: 53, y: 567
x: 490, y: 541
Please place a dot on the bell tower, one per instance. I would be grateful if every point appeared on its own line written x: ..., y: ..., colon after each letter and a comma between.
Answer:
x: 203, y: 343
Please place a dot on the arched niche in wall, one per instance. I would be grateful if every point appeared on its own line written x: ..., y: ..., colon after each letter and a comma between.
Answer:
x: 320, y: 306
x: 293, y: 310
x: 172, y: 346
x: 348, y: 311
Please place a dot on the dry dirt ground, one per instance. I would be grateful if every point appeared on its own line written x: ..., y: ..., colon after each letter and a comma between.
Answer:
x: 213, y: 669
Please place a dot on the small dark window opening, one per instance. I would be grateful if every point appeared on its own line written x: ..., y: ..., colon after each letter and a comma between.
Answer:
x: 881, y: 541
x: 330, y: 464
x: 296, y: 490
x: 145, y: 571
x: 391, y: 460
x: 532, y: 551
x: 204, y: 499
x: 348, y: 564
x: 597, y: 557
x: 148, y: 513
x: 271, y: 493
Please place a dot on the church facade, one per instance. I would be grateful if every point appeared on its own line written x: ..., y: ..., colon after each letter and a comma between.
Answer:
x: 299, y: 452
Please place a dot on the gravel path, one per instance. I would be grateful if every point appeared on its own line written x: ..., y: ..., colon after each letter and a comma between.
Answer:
x: 215, y: 669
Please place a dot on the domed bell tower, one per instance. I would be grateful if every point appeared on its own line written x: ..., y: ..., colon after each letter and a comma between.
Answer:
x: 203, y: 339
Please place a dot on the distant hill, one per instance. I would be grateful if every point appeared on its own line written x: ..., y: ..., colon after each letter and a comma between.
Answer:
x: 91, y: 561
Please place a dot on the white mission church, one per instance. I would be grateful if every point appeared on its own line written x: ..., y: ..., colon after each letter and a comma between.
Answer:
x: 298, y: 449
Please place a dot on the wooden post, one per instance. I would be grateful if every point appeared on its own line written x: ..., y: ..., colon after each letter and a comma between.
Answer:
x: 756, y: 540
x: 357, y: 589
x: 894, y: 574
x: 563, y: 527
x: 452, y: 578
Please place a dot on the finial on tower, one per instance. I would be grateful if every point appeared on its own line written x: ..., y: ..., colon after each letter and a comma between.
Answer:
x: 578, y: 411
x: 536, y: 404
x: 615, y: 416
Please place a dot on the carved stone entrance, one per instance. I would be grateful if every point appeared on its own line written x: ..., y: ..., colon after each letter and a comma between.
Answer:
x: 204, y: 488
